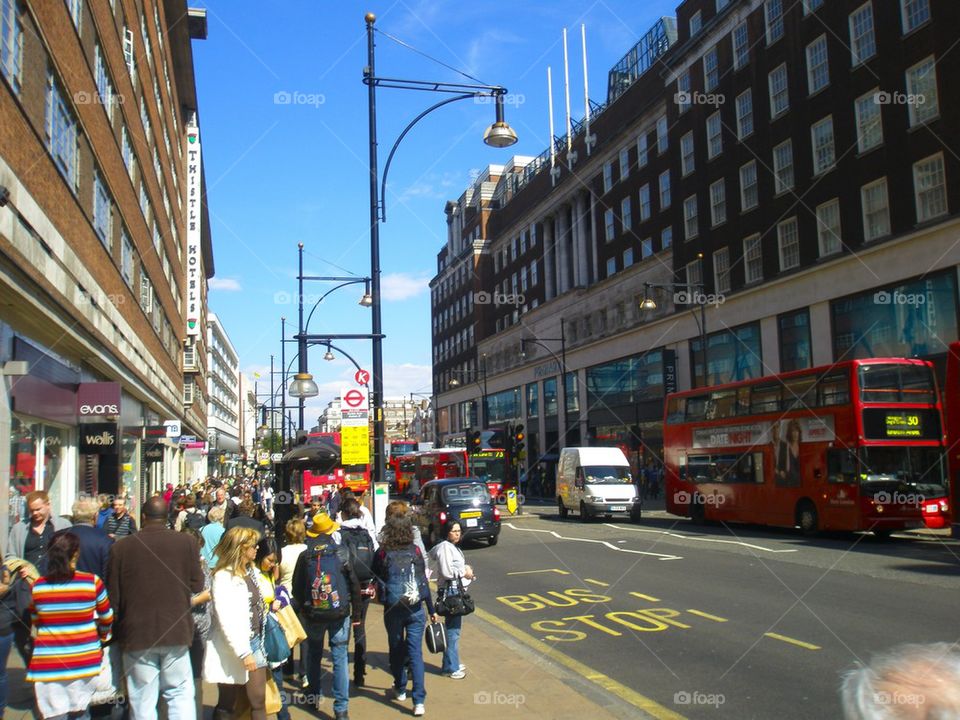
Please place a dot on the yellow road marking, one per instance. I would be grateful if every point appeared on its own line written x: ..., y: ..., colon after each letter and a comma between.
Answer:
x: 708, y: 616
x: 651, y: 707
x: 597, y: 582
x: 531, y: 572
x: 798, y: 643
x: 649, y: 598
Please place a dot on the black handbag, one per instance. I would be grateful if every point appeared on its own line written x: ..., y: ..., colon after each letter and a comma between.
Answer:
x: 453, y: 600
x: 436, y: 637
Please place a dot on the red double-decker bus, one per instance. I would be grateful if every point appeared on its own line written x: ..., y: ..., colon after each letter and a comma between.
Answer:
x: 399, y: 448
x: 943, y: 511
x: 854, y: 446
x: 355, y: 477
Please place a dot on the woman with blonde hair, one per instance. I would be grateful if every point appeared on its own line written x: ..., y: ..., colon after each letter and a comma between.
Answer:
x: 235, y: 648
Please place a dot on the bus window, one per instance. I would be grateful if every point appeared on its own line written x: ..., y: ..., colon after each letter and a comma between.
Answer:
x: 765, y: 399
x: 841, y: 466
x: 722, y: 404
x: 698, y: 469
x: 896, y: 383
x: 696, y: 408
x: 799, y: 393
x: 676, y: 410
x: 833, y: 390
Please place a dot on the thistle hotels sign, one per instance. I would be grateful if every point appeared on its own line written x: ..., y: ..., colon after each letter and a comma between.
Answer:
x: 194, y: 275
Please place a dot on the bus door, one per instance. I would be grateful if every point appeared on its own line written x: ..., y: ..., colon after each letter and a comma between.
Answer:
x: 839, y: 488
x: 711, y: 498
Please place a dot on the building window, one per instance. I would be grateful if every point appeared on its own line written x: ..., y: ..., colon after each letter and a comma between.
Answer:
x: 718, y: 202
x: 625, y: 218
x: 752, y: 259
x: 773, y: 12
x: 666, y: 237
x: 721, y: 270
x: 749, y: 196
x: 695, y: 274
x: 664, y: 190
x: 914, y: 13
x: 687, y: 164
x: 684, y: 98
x: 930, y: 188
x: 876, y: 210
x: 644, y: 203
x: 863, y: 44
x: 642, y: 149
x: 744, y: 114
x: 714, y: 136
x: 869, y: 122
x: 662, y: 139
x: 11, y: 43
x: 624, y: 164
x: 824, y: 153
x: 690, y: 217
x: 828, y: 227
x: 741, y: 46
x: 818, y: 70
x: 627, y: 258
x: 102, y: 214
x: 611, y: 266
x: 533, y: 404
x: 75, y: 7
x: 607, y: 176
x: 104, y: 86
x: 711, y: 70
x: 126, y: 257
x: 795, y: 345
x: 788, y: 240
x: 696, y: 22
x: 61, y: 131
x: 810, y: 5
x: 779, y: 93
x: 609, y: 227
x: 783, y: 167
x: 146, y: 293
x: 646, y: 248
x: 922, y: 86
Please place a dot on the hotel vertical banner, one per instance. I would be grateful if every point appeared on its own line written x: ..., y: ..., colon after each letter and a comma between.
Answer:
x: 194, y: 274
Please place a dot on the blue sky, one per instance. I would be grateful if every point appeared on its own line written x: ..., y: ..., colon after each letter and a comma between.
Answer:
x: 283, y: 116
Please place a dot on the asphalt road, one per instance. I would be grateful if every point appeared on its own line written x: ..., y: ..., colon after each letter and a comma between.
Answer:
x: 715, y: 622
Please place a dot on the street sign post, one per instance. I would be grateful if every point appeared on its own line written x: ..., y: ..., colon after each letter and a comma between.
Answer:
x: 355, y: 426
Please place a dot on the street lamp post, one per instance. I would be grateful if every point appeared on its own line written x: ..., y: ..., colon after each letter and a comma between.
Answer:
x: 481, y: 383
x: 649, y: 303
x: 563, y: 366
x: 498, y: 135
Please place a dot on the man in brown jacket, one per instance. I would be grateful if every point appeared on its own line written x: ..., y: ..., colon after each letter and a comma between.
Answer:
x: 152, y: 577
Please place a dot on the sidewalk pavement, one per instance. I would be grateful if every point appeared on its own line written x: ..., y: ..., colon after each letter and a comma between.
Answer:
x: 504, y: 680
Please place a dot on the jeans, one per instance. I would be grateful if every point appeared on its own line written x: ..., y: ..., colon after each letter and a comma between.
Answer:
x: 160, y: 671
x: 284, y: 713
x: 360, y: 641
x: 81, y: 715
x: 6, y: 641
x: 451, y: 656
x: 405, y: 636
x: 339, y: 631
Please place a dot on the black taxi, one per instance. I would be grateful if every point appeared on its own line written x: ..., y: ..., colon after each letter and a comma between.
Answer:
x: 464, y: 500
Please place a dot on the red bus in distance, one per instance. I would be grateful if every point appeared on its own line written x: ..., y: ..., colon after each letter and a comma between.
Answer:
x: 355, y: 477
x: 853, y: 446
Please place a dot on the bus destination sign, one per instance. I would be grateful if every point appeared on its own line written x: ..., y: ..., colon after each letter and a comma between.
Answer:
x: 898, y: 424
x: 904, y: 425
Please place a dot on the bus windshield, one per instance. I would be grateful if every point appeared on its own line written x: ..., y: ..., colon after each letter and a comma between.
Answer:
x: 607, y: 475
x: 897, y: 383
x: 402, y: 448
x: 488, y: 469
x: 889, y: 468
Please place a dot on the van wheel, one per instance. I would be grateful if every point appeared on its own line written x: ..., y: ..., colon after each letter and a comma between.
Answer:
x: 635, y: 514
x: 807, y: 518
x: 562, y: 509
x: 584, y: 513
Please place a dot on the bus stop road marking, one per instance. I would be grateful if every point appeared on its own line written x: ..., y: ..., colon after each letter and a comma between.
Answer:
x: 708, y: 616
x: 798, y: 643
x: 648, y: 598
x: 531, y: 572
x: 719, y: 541
x: 647, y: 705
x: 597, y: 582
x: 557, y: 535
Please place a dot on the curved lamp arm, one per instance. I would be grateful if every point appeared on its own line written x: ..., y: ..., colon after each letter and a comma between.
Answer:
x: 306, y: 325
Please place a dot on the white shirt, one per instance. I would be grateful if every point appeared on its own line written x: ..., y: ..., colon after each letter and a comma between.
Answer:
x: 447, y: 561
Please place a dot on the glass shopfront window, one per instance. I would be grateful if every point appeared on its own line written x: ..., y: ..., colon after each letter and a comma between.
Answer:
x: 130, y: 465
x: 503, y: 406
x: 571, y: 393
x: 733, y: 355
x: 37, y: 462
x: 467, y: 414
x: 550, y: 397
x: 626, y: 381
x: 914, y: 319
x: 54, y: 443
x: 533, y: 401
x: 795, y: 350
x: 23, y: 465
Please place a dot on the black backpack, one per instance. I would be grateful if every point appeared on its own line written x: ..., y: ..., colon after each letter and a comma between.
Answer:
x: 360, y: 546
x: 327, y: 592
x: 194, y: 520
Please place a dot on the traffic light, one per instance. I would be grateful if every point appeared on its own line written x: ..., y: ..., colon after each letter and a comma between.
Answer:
x: 508, y: 440
x: 474, y: 441
x: 518, y: 440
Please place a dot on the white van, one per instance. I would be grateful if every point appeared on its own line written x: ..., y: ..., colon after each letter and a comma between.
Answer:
x: 596, y: 481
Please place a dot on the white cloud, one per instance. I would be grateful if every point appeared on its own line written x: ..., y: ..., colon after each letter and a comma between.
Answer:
x: 227, y: 284
x: 403, y: 286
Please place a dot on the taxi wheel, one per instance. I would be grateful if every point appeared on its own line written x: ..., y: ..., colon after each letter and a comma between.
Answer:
x: 493, y: 540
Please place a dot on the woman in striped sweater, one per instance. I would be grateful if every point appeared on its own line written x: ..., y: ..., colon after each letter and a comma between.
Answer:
x: 72, y: 616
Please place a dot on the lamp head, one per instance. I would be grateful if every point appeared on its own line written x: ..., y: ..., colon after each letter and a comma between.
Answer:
x: 648, y: 303
x: 329, y: 356
x: 500, y: 135
x: 303, y: 386
x: 454, y: 382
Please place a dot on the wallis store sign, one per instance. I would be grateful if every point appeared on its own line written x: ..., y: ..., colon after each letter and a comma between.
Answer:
x: 99, y: 439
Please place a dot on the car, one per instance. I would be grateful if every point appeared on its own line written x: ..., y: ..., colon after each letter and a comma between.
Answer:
x: 463, y: 499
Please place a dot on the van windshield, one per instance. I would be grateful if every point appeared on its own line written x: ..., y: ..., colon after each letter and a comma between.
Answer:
x: 607, y: 475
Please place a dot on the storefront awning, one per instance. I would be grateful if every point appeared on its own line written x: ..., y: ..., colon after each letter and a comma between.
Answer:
x: 320, y: 458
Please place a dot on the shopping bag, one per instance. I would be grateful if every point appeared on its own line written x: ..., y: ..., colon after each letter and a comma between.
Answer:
x: 109, y: 684
x: 292, y: 627
x: 272, y: 704
x: 436, y: 636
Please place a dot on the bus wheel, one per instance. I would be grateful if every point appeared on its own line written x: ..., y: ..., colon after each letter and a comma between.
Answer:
x: 807, y: 518
x: 584, y: 514
x: 698, y: 511
x: 562, y: 509
x: 883, y: 534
